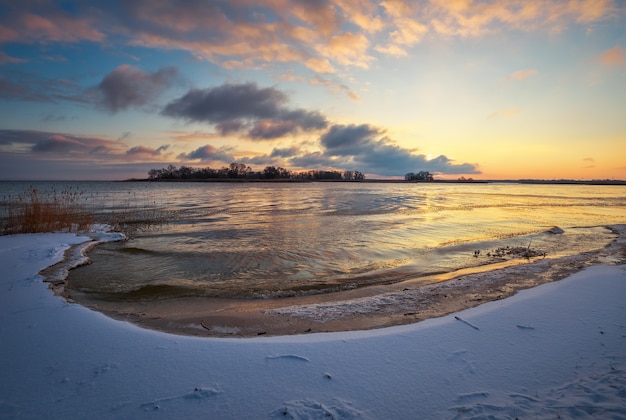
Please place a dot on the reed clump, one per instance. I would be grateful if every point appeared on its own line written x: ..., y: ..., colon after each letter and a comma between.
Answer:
x: 47, y: 211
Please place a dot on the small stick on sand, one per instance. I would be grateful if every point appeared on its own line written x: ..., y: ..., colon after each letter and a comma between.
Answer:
x: 468, y: 323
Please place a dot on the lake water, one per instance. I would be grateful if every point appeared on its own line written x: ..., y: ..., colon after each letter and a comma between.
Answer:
x: 259, y: 240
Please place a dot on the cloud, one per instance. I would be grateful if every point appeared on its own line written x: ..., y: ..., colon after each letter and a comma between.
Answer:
x: 7, y: 59
x: 46, y: 23
x: 232, y: 108
x: 36, y: 155
x: 319, y: 65
x: 285, y: 152
x: 342, y: 147
x: 407, y: 25
x: 58, y: 143
x: 335, y: 87
x: 143, y: 151
x: 125, y: 135
x: 120, y: 89
x: 367, y: 149
x: 590, y: 162
x: 326, y: 37
x: 58, y: 118
x: 128, y: 86
x: 43, y: 142
x: 615, y: 57
x: 209, y: 153
x: 468, y: 18
x: 25, y: 86
x: 348, y: 139
x: 522, y: 74
x: 347, y: 49
x: 70, y: 147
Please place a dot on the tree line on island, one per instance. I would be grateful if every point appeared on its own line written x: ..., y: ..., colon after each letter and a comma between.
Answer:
x: 241, y: 171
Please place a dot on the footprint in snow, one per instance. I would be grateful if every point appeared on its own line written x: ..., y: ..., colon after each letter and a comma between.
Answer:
x: 288, y: 357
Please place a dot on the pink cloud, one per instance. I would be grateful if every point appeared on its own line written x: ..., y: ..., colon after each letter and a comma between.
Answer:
x: 327, y: 36
x: 616, y: 56
x: 59, y: 28
x: 7, y: 59
x: 522, y: 74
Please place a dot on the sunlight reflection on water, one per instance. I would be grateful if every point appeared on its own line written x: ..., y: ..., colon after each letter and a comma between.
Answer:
x: 271, y: 239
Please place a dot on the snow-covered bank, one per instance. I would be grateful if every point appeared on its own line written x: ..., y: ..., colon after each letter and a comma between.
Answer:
x: 555, y: 350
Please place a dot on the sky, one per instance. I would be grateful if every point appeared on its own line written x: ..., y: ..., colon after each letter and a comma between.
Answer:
x: 505, y: 89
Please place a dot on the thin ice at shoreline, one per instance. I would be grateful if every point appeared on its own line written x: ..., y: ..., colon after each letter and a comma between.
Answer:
x: 338, y: 312
x: 76, y: 255
x: 421, y: 297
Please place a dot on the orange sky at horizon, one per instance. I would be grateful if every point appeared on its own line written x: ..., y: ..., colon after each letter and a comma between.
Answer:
x: 489, y: 89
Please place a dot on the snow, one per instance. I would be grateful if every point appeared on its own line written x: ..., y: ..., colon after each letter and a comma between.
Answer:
x: 554, y: 351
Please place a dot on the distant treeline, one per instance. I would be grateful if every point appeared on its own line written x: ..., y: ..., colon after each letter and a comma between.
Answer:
x: 241, y: 171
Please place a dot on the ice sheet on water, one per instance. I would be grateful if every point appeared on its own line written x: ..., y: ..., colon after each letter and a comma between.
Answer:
x: 77, y: 255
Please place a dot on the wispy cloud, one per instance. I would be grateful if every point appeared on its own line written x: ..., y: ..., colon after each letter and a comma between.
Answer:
x: 406, y: 27
x: 147, y: 152
x: 522, y: 74
x: 23, y: 86
x: 46, y: 23
x: 616, y: 56
x: 335, y: 87
x: 590, y: 162
x: 72, y: 147
x: 7, y: 59
x: 325, y: 36
x: 469, y: 18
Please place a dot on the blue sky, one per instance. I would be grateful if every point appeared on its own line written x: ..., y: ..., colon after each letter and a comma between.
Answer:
x: 483, y: 89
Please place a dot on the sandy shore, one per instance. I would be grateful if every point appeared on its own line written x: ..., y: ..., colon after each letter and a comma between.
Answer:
x: 358, y: 309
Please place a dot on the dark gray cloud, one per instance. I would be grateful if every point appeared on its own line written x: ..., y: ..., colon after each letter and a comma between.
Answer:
x: 320, y: 160
x: 45, y: 142
x: 208, y: 153
x: 147, y: 151
x: 263, y: 112
x: 128, y: 86
x: 368, y: 150
x: 348, y: 139
x: 8, y: 137
x: 58, y: 143
x: 120, y: 89
x: 229, y: 102
x: 285, y: 152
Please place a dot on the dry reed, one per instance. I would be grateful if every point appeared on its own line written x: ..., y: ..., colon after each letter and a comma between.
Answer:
x: 47, y: 211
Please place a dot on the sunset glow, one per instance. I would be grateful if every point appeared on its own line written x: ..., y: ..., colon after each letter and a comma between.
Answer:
x: 484, y: 89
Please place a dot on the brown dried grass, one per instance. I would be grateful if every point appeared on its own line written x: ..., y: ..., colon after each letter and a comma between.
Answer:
x: 47, y: 211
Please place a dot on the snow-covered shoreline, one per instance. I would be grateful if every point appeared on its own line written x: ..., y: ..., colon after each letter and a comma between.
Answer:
x: 555, y: 350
